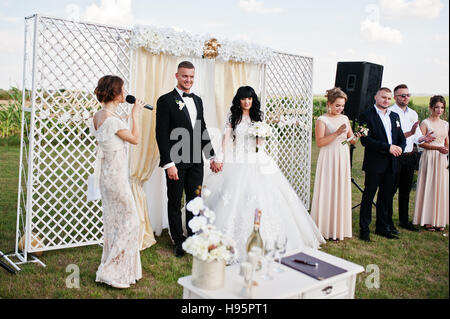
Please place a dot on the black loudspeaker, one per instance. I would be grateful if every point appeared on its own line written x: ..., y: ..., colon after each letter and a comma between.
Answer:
x: 360, y: 81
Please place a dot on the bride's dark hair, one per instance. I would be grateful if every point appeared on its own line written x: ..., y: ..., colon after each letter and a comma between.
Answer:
x: 236, y: 111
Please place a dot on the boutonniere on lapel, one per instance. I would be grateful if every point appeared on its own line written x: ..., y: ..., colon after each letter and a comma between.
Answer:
x: 398, y: 123
x: 181, y: 104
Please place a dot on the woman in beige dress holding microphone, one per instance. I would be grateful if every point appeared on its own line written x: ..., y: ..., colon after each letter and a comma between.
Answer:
x: 121, y: 262
x: 431, y: 208
x: 331, y: 207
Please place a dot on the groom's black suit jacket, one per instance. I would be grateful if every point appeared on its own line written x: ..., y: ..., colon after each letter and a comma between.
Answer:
x: 169, y: 117
x: 376, y: 146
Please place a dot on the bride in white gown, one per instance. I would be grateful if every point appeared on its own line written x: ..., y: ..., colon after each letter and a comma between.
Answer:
x: 251, y: 179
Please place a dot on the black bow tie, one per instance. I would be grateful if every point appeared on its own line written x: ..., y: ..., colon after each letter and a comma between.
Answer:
x: 191, y: 95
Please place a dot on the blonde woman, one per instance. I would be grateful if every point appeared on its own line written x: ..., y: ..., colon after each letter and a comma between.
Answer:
x: 332, y: 200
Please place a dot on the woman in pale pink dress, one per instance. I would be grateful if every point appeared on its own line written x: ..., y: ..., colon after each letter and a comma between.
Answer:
x: 331, y: 207
x: 431, y: 208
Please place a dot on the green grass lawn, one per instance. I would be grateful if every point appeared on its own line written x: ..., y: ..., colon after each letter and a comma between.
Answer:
x: 416, y: 266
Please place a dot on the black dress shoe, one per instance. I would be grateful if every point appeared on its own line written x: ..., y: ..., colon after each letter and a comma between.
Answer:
x: 387, y: 235
x: 409, y: 227
x: 394, y: 230
x: 365, y: 237
x: 178, y: 251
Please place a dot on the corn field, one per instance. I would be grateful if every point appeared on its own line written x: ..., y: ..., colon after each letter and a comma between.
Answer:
x: 11, y: 112
x: 10, y: 115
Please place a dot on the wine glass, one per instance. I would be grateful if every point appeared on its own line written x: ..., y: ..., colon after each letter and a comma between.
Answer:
x: 280, y: 245
x: 247, y: 273
x: 269, y: 249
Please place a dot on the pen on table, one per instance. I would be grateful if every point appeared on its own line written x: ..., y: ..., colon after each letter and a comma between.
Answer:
x: 306, y: 262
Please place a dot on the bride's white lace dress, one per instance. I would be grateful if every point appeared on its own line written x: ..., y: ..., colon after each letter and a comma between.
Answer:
x: 251, y: 180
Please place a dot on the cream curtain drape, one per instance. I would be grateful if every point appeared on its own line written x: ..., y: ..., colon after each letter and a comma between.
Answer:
x: 154, y: 76
x: 229, y: 76
x: 216, y: 83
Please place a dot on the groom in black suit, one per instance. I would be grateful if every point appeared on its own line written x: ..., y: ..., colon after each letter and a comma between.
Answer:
x: 383, y: 145
x: 182, y: 136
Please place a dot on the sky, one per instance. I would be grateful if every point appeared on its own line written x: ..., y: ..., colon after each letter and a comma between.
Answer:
x: 410, y: 38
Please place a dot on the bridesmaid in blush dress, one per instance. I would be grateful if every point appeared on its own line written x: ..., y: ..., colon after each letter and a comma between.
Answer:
x: 331, y: 207
x: 431, y: 208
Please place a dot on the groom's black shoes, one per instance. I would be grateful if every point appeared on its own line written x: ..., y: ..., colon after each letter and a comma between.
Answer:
x: 394, y: 231
x: 178, y: 250
x: 365, y: 237
x: 386, y: 234
x: 409, y: 226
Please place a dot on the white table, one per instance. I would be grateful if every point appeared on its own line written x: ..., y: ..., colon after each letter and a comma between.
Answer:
x: 290, y: 284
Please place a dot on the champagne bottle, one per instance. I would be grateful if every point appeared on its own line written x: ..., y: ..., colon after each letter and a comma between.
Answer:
x: 255, y: 239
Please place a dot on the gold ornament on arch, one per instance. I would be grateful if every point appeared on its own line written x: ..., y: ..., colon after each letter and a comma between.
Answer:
x: 211, y: 49
x: 35, y: 243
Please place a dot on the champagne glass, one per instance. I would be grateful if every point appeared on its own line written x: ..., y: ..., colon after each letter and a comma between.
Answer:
x: 280, y: 245
x: 269, y: 249
x: 258, y: 254
x: 247, y: 273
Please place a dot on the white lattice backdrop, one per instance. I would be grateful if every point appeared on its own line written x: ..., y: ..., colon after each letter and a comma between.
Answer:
x: 289, y: 106
x: 63, y: 61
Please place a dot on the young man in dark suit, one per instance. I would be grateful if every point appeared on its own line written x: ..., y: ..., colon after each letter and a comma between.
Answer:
x: 382, y: 147
x: 408, y: 162
x: 182, y: 136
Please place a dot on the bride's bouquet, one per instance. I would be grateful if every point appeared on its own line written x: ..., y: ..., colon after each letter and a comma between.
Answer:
x: 361, y: 130
x: 208, y: 243
x: 260, y: 130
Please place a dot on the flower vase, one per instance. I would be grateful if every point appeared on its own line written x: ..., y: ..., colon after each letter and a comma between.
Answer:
x: 208, y: 275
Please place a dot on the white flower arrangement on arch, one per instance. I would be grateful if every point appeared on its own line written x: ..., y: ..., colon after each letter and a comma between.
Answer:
x: 180, y: 43
x: 208, y: 243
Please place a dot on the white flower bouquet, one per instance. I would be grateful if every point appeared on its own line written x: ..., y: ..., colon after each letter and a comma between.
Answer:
x: 362, y: 130
x: 260, y: 130
x: 208, y: 243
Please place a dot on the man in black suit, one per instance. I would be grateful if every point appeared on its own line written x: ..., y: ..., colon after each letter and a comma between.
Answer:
x: 182, y: 136
x: 383, y: 145
x: 408, y: 162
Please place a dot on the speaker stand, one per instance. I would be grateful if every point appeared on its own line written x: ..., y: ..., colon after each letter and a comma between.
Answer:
x: 5, y: 265
x: 352, y: 148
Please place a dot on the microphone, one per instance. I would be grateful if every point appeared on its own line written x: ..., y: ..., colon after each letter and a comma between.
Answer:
x: 131, y: 99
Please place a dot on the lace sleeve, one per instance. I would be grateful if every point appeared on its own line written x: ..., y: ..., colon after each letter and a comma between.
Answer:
x: 110, y: 128
x: 227, y: 139
x: 90, y: 125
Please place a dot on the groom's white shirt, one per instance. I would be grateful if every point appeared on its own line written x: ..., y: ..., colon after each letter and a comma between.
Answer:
x: 192, y: 109
x: 190, y: 104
